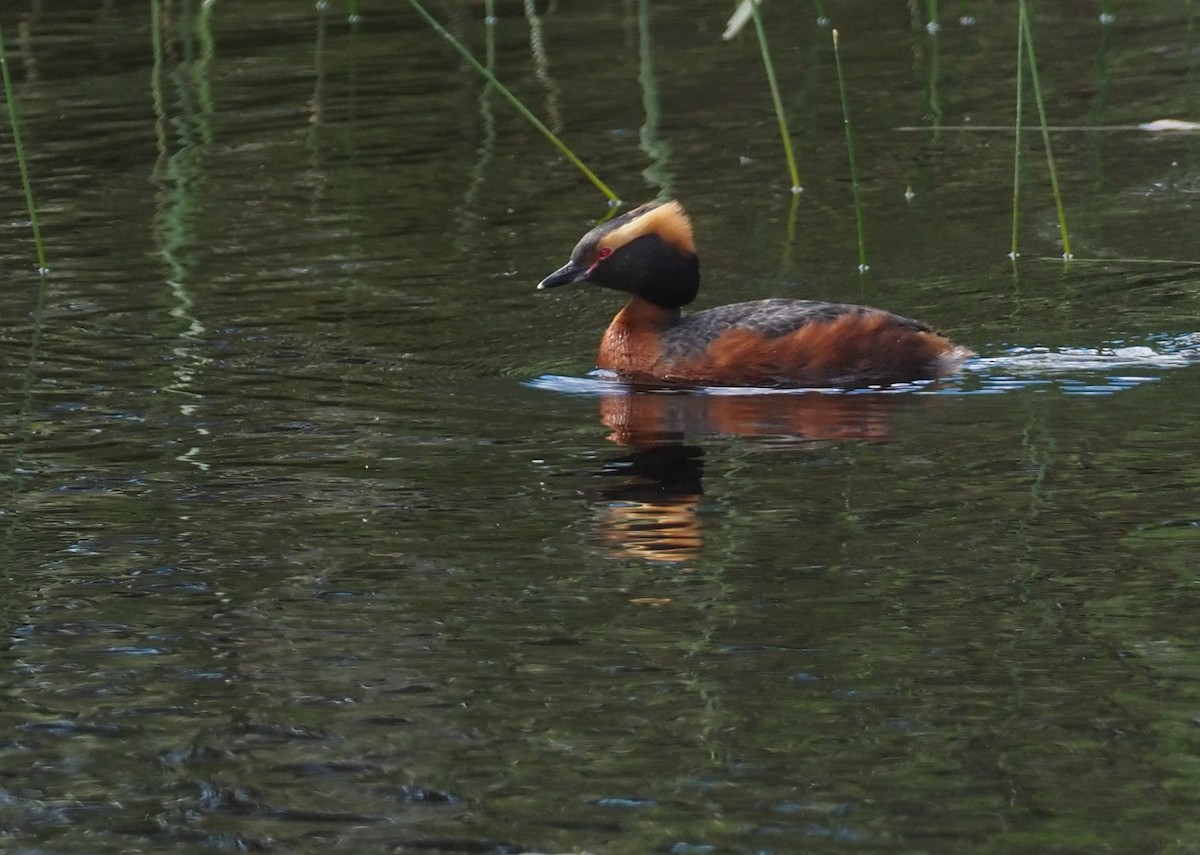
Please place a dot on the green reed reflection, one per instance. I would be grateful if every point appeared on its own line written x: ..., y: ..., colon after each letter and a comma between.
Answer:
x: 541, y: 65
x: 21, y: 432
x: 516, y: 102
x: 316, y: 174
x: 179, y: 176
x: 656, y: 148
x: 932, y: 29
x: 487, y: 118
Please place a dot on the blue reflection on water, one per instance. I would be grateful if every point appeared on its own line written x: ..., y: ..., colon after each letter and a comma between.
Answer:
x: 1071, y: 370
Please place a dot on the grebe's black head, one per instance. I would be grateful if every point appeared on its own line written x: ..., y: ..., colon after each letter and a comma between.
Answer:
x: 648, y: 252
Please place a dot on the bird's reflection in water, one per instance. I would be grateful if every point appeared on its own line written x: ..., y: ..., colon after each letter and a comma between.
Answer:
x: 646, y: 418
x: 649, y: 511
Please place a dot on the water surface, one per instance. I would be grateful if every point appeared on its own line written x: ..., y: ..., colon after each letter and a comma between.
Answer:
x: 319, y: 533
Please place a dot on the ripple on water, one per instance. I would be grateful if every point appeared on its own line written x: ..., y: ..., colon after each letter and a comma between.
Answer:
x: 1071, y: 370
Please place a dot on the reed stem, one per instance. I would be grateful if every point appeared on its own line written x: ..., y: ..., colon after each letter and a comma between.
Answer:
x: 1027, y: 30
x: 773, y: 83
x: 516, y: 102
x: 14, y: 122
x: 858, y: 211
x: 1013, y: 252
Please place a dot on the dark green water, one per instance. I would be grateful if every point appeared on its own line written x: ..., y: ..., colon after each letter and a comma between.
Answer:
x: 318, y: 535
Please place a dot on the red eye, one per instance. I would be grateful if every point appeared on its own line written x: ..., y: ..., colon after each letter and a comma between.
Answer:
x: 604, y: 252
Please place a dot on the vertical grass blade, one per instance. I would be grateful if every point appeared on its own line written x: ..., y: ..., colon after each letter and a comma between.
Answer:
x: 773, y: 83
x: 515, y: 101
x: 1013, y: 252
x: 858, y: 211
x: 14, y: 121
x: 1031, y: 56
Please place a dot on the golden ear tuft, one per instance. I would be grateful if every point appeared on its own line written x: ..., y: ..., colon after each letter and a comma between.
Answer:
x: 668, y: 220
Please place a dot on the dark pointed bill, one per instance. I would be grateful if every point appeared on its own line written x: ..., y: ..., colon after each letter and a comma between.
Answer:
x: 569, y: 272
